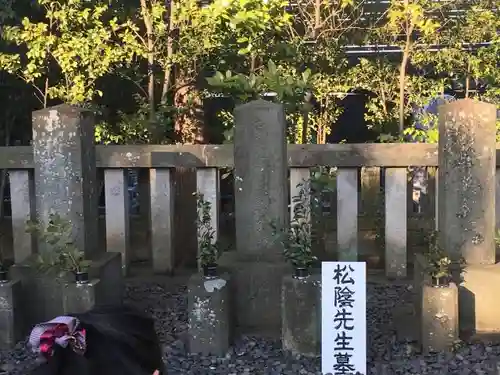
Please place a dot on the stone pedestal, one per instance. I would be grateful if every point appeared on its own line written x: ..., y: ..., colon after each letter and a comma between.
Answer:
x: 260, y: 186
x: 209, y: 312
x: 439, y: 318
x: 10, y: 314
x: 301, y: 315
x: 257, y: 294
x: 65, y: 171
x: 80, y: 298
x: 478, y: 303
x: 42, y: 294
x: 477, y: 293
x: 41, y: 298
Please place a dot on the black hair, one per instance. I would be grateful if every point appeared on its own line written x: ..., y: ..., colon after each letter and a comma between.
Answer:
x: 119, y: 340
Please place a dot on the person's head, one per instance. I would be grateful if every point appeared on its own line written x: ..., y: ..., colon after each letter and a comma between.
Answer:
x: 104, y: 341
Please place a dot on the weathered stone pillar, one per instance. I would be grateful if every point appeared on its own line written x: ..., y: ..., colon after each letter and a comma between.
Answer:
x: 467, y: 157
x: 65, y: 171
x: 466, y: 209
x: 66, y: 184
x: 260, y: 173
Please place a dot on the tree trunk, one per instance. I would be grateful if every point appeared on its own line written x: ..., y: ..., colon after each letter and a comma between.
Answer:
x: 402, y: 71
x: 402, y: 81
x: 189, y: 126
x: 317, y: 18
x: 148, y: 23
x: 402, y: 76
x: 167, y: 79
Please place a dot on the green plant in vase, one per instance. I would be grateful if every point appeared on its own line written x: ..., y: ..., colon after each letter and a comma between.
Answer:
x: 296, y: 240
x: 439, y: 264
x: 58, y: 253
x: 208, y: 248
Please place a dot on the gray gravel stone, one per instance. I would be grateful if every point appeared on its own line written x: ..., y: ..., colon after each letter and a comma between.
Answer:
x: 254, y: 355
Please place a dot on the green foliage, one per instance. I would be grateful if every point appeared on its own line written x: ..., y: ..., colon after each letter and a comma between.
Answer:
x: 133, y: 128
x: 439, y: 263
x: 74, y: 38
x: 288, y: 86
x: 6, y: 10
x: 158, y: 53
x: 253, y: 22
x: 58, y: 252
x: 226, y: 119
x: 208, y: 248
x: 297, y: 239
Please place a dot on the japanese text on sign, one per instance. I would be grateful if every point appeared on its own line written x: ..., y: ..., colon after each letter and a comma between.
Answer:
x: 343, y: 318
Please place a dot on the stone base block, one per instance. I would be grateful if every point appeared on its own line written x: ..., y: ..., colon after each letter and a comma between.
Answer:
x: 478, y: 306
x: 79, y: 298
x: 42, y: 297
x: 439, y: 318
x: 257, y: 294
x: 209, y: 312
x: 301, y: 315
x: 10, y: 314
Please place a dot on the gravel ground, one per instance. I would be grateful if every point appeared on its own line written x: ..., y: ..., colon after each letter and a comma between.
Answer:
x: 252, y: 355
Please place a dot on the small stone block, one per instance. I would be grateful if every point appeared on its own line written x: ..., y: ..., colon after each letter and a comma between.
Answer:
x: 209, y: 315
x: 479, y: 310
x: 80, y: 298
x: 10, y: 314
x: 301, y: 315
x: 41, y: 296
x: 439, y: 318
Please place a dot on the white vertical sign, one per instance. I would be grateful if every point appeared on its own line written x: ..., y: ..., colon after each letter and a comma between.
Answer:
x: 343, y: 318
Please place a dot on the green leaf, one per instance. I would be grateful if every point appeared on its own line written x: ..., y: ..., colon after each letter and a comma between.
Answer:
x: 306, y: 74
x: 271, y: 67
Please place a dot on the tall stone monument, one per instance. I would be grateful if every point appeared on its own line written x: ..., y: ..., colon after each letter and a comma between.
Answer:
x: 260, y: 183
x: 66, y: 184
x: 466, y: 209
x: 65, y: 171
